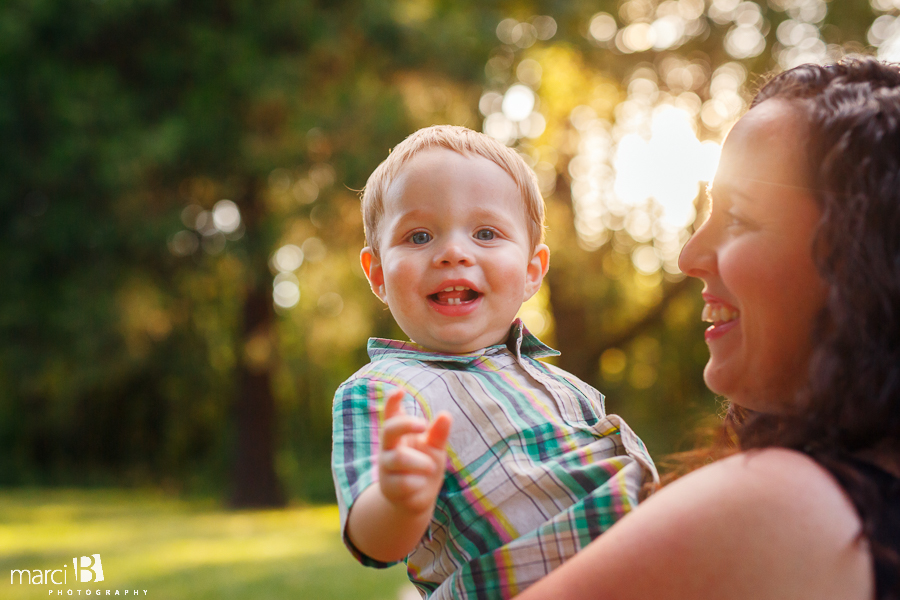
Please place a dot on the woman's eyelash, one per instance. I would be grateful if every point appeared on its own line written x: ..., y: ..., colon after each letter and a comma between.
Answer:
x: 734, y: 219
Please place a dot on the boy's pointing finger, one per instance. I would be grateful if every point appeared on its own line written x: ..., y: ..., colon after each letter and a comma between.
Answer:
x: 396, y: 427
x: 393, y: 404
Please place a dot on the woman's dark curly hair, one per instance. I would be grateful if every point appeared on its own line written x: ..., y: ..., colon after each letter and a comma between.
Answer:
x: 851, y: 401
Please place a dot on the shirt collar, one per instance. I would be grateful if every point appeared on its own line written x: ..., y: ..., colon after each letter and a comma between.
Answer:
x: 520, y: 342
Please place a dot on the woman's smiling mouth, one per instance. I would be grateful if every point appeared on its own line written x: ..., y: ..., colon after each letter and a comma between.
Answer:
x: 719, y: 313
x: 723, y: 318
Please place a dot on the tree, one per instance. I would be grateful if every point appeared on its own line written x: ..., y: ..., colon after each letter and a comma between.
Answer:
x: 181, y: 291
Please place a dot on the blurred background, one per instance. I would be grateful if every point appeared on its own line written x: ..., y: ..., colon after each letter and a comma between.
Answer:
x: 181, y: 292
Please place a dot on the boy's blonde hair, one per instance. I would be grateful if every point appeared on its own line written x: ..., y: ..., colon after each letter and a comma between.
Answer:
x: 465, y: 142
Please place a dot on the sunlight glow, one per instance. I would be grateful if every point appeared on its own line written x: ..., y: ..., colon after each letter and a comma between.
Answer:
x: 518, y: 102
x: 667, y: 167
x: 642, y: 174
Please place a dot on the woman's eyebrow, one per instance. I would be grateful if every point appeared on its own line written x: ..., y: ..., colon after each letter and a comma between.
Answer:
x: 782, y: 185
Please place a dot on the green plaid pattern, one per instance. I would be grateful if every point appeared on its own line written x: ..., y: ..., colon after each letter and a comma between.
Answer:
x: 535, y: 468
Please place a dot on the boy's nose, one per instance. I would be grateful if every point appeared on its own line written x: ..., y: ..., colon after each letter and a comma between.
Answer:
x: 453, y: 252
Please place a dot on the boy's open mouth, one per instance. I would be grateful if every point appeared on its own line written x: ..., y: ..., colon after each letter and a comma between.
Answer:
x: 454, y: 295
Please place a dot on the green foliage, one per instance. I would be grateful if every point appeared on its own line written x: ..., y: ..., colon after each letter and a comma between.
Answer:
x: 124, y: 329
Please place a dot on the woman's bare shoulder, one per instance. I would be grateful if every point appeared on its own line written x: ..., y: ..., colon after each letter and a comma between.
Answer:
x: 765, y: 524
x: 776, y: 477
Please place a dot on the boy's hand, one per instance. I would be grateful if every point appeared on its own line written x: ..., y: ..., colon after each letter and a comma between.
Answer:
x: 412, y: 456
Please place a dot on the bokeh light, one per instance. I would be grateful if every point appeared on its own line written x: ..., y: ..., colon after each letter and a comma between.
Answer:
x: 500, y: 128
x: 314, y: 249
x: 884, y: 34
x: 518, y: 102
x: 602, y: 27
x: 885, y: 5
x: 226, y: 216
x: 286, y: 290
x: 529, y: 72
x: 288, y: 258
x: 215, y: 227
x: 641, y: 174
x: 184, y: 243
x: 330, y: 304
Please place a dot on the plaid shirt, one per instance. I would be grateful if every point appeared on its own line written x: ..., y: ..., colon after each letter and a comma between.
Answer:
x: 535, y: 468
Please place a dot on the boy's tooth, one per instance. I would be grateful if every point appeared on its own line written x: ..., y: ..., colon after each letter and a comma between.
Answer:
x: 449, y: 289
x: 460, y: 288
x: 706, y: 315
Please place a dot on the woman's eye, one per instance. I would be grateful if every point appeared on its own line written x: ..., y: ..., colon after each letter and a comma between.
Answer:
x: 733, y: 220
x: 420, y: 238
x: 484, y: 235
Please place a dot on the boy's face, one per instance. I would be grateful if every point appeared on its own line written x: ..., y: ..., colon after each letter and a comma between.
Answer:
x: 455, y: 258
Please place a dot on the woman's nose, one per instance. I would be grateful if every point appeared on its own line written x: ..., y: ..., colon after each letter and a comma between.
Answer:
x: 698, y: 257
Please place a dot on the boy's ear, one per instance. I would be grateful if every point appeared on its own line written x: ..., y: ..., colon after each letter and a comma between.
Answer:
x: 537, y: 268
x: 372, y: 267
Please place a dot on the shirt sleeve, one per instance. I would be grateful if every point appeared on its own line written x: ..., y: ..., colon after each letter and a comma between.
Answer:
x: 356, y: 422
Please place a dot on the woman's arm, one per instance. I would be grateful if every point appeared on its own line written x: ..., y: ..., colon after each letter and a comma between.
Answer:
x: 762, y: 525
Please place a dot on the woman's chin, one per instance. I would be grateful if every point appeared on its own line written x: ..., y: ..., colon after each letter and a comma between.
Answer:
x: 718, y: 380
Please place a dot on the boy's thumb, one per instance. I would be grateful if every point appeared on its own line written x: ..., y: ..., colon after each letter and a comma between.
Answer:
x: 439, y: 431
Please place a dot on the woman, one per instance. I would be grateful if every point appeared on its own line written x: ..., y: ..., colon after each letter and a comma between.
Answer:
x: 800, y: 259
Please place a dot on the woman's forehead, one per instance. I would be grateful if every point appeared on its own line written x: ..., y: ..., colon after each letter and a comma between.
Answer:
x: 767, y: 145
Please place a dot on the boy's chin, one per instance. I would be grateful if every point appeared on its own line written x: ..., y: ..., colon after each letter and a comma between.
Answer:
x: 462, y: 344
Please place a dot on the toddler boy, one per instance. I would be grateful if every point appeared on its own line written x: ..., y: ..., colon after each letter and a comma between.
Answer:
x: 459, y: 452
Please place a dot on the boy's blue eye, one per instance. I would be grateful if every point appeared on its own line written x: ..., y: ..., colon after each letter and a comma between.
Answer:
x: 420, y: 238
x: 484, y: 235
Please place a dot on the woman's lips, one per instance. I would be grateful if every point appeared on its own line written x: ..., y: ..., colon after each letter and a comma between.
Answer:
x: 718, y: 330
x: 723, y: 316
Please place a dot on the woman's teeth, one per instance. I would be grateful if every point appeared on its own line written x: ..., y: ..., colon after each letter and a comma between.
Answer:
x: 717, y: 313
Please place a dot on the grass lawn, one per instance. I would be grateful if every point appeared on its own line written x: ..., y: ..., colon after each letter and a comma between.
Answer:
x: 178, y: 549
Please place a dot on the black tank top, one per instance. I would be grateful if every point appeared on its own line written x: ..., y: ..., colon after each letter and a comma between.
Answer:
x: 879, y: 500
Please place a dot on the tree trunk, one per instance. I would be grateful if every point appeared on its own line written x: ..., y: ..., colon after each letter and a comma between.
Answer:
x: 254, y: 482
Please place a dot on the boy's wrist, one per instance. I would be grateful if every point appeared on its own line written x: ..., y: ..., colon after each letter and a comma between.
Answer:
x: 410, y: 509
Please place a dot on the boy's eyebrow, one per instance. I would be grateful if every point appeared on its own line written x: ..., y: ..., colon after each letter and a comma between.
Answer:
x: 481, y: 211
